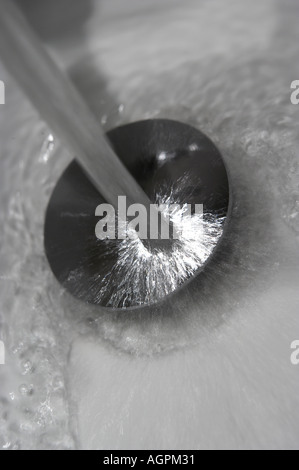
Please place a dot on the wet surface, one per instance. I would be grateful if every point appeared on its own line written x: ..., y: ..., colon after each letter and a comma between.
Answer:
x: 218, y: 374
x: 174, y: 164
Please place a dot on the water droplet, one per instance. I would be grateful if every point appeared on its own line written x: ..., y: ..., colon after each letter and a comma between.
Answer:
x: 27, y: 367
x: 104, y: 119
x: 26, y: 390
x: 47, y: 149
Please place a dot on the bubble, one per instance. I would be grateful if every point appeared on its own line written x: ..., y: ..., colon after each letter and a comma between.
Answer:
x: 27, y: 367
x: 26, y: 390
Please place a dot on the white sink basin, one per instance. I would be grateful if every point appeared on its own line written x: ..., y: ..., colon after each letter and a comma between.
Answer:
x: 217, y: 375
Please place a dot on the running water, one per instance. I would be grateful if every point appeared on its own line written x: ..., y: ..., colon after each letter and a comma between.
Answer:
x: 62, y: 107
x: 144, y: 275
x: 218, y: 373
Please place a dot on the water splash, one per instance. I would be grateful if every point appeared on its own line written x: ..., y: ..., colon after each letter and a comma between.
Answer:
x: 143, y: 274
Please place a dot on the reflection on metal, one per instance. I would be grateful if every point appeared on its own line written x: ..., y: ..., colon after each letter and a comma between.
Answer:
x: 175, y: 164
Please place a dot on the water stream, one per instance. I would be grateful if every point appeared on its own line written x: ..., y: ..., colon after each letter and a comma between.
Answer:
x: 216, y: 373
